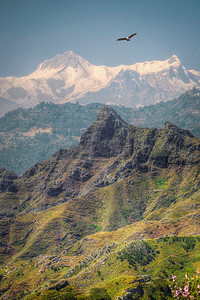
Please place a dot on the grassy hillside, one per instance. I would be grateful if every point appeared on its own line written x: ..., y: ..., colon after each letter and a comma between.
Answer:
x: 113, y: 268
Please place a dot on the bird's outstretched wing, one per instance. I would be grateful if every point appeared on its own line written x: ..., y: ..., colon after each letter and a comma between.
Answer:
x: 121, y: 39
x: 130, y: 36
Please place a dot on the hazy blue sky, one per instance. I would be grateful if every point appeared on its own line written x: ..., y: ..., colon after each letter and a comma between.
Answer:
x: 34, y: 30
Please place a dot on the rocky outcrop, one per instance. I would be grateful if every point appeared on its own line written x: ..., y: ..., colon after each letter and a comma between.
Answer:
x: 80, y: 174
x: 106, y: 137
x: 138, y: 291
x: 174, y: 145
x: 55, y: 191
x: 59, y: 285
x: 6, y: 181
x: 110, y: 136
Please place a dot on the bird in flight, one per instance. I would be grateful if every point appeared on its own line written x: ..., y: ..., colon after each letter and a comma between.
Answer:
x: 128, y: 38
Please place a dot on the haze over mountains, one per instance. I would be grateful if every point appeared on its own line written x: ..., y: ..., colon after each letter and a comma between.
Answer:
x: 25, y: 133
x: 69, y: 77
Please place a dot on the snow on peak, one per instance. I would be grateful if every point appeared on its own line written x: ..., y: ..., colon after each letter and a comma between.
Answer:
x: 155, y: 66
x: 174, y: 60
x: 72, y: 61
x: 51, y: 66
x: 68, y: 77
x: 62, y: 60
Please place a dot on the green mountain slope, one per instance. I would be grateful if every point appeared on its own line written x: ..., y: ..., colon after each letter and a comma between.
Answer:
x: 33, y: 135
x: 97, y: 215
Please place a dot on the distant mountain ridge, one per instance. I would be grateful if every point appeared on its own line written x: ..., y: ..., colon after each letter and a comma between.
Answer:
x: 69, y: 77
x: 26, y: 132
x: 6, y: 106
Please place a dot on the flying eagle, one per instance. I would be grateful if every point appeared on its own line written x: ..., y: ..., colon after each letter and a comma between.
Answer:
x: 127, y: 38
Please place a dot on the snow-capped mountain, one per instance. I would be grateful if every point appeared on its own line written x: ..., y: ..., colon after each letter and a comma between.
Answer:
x: 147, y: 83
x: 69, y: 77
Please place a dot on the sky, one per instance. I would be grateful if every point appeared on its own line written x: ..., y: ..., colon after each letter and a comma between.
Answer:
x: 32, y: 31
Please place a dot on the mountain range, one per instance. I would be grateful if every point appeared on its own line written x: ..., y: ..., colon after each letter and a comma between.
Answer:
x: 25, y: 133
x: 112, y: 218
x: 69, y: 77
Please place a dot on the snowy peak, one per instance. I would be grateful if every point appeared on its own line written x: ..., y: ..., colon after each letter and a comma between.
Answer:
x: 58, y: 63
x: 174, y: 60
x: 68, y: 77
x: 73, y: 61
x: 155, y: 66
x: 68, y: 59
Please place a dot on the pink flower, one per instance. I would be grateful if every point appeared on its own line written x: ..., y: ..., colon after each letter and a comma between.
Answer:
x: 185, y: 294
x: 173, y: 277
x: 186, y: 288
x: 177, y: 294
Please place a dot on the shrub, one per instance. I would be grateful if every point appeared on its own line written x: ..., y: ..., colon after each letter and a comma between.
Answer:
x: 99, y: 294
x: 137, y: 252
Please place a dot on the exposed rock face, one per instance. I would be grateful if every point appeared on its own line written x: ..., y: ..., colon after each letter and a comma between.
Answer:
x: 6, y: 180
x: 59, y: 285
x: 80, y: 174
x: 175, y: 135
x: 173, y: 146
x: 106, y: 137
x: 55, y: 191
x: 139, y: 144
x: 110, y: 136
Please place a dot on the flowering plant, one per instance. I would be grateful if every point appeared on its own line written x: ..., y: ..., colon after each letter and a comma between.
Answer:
x: 188, y: 289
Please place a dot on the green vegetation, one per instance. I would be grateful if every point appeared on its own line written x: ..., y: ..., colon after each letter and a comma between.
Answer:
x: 99, y: 294
x: 158, y: 289
x: 68, y: 293
x: 137, y: 252
x: 160, y: 183
x: 188, y: 243
x: 143, y: 268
